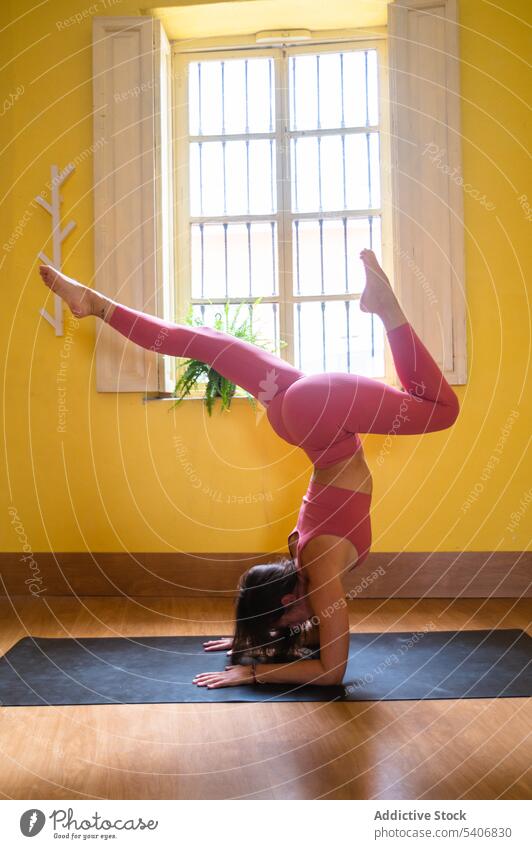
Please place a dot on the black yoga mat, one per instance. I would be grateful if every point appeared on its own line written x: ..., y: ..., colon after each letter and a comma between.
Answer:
x: 390, y: 666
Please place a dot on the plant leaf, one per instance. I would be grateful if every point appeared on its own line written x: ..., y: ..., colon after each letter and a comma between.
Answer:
x: 194, y: 373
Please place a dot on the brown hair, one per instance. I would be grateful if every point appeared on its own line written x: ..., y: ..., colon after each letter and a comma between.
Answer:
x: 258, y: 608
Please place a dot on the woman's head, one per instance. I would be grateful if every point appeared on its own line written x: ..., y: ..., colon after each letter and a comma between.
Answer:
x: 271, y: 598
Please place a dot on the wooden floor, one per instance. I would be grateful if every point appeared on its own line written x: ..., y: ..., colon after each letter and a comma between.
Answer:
x: 386, y: 750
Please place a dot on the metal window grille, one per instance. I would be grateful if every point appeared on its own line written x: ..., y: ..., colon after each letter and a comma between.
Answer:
x: 282, y: 169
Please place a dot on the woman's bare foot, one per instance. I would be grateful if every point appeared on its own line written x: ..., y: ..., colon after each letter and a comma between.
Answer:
x: 378, y: 292
x: 81, y: 300
x: 378, y: 296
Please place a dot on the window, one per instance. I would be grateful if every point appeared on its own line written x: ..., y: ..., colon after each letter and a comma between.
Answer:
x: 330, y: 144
x: 280, y: 188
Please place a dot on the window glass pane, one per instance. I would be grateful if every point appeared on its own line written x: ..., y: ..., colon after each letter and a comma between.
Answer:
x: 236, y: 182
x: 194, y: 74
x: 375, y: 177
x: 329, y: 174
x: 355, y: 88
x: 234, y: 87
x: 262, y: 318
x: 262, y: 179
x: 332, y: 170
x: 330, y: 75
x: 337, y: 336
x: 303, y: 93
x: 238, y: 283
x: 334, y: 240
x: 305, y: 175
x: 264, y: 259
x: 233, y: 96
x: 247, y: 251
x: 333, y: 173
x: 308, y: 333
x: 208, y: 261
x: 373, y: 88
x: 306, y: 258
x: 209, y: 93
x: 261, y: 96
x: 206, y: 179
x: 361, y: 233
x: 357, y: 173
x: 326, y: 256
x: 219, y: 178
x: 343, y: 83
x: 366, y: 343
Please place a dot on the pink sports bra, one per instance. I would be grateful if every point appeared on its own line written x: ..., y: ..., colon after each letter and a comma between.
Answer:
x: 328, y: 509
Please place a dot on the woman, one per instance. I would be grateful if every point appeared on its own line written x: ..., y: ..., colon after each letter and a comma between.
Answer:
x: 323, y: 414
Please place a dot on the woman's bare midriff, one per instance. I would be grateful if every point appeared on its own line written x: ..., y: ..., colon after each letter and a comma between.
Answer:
x: 352, y: 473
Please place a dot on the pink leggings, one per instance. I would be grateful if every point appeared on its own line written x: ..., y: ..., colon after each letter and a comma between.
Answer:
x: 321, y: 413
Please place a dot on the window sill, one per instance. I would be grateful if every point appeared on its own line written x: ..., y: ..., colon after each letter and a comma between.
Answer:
x: 168, y: 397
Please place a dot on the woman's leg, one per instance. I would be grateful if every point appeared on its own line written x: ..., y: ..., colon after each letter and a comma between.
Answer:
x: 313, y: 412
x: 322, y: 410
x: 260, y: 373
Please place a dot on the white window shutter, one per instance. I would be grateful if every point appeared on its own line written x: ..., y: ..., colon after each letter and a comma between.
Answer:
x: 132, y: 192
x: 164, y: 185
x: 427, y: 194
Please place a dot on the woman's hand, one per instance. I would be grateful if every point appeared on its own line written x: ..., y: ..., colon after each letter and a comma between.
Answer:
x: 219, y: 645
x: 234, y: 676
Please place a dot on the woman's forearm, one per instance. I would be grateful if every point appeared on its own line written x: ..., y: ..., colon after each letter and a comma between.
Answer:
x: 298, y: 672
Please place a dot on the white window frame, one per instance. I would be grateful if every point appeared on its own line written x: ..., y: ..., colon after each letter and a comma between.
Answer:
x: 422, y: 207
x: 228, y: 48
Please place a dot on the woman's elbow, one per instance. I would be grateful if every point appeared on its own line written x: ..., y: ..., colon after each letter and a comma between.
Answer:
x: 333, y: 677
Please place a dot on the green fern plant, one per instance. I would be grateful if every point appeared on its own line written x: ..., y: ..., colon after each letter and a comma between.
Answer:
x: 194, y: 374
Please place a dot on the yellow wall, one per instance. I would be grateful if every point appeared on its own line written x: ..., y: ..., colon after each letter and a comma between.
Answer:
x: 128, y: 475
